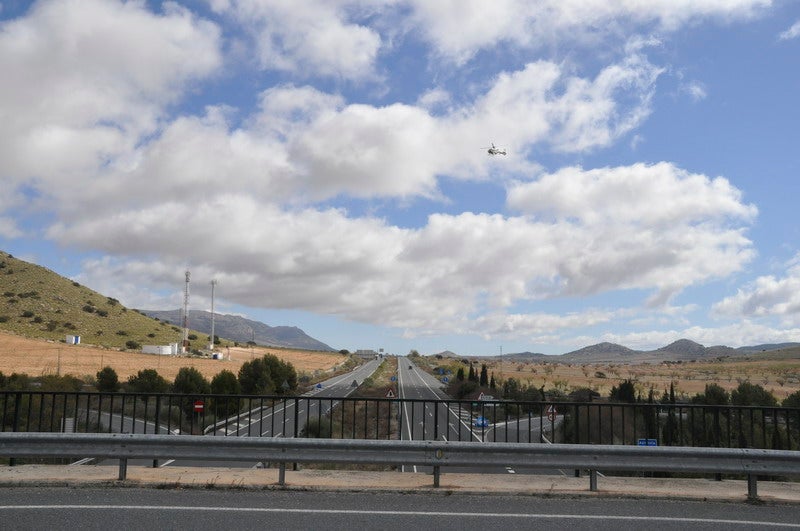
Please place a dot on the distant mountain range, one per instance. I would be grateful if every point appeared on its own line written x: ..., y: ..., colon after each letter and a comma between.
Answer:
x: 242, y: 330
x: 681, y: 350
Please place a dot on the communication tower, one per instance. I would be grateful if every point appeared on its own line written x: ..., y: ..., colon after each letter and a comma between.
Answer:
x: 211, y: 343
x: 186, y: 314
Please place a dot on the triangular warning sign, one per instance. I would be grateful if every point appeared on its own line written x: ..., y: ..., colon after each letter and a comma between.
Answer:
x: 389, y: 394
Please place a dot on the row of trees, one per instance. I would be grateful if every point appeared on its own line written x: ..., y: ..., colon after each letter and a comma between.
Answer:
x: 262, y: 376
x: 267, y: 375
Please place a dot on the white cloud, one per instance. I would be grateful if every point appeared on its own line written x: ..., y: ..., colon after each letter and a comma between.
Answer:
x: 531, y: 325
x: 696, y: 91
x: 656, y: 195
x: 432, y: 278
x: 309, y: 38
x: 84, y: 80
x: 640, y: 226
x: 767, y: 296
x: 791, y: 33
x: 306, y: 145
x: 458, y: 29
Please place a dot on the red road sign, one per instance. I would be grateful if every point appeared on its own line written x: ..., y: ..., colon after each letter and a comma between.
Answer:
x: 551, y: 412
x: 198, y: 406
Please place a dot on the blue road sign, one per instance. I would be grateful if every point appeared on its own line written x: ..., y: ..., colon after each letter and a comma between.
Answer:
x: 394, y: 378
x: 647, y: 442
x: 445, y: 379
x: 481, y: 422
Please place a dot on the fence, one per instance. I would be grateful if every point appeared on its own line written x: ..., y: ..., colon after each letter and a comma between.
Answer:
x: 437, y: 454
x: 370, y: 418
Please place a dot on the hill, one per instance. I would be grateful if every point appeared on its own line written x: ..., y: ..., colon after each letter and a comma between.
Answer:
x: 600, y: 353
x: 243, y: 330
x: 38, y: 303
x: 681, y: 350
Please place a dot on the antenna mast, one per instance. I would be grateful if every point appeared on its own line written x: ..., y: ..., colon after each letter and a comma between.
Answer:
x: 211, y: 345
x: 186, y: 314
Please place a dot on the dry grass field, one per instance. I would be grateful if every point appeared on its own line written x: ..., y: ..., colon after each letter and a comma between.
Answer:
x: 779, y: 376
x: 37, y: 357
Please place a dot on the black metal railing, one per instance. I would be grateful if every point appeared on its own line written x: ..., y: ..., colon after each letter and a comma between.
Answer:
x: 378, y: 418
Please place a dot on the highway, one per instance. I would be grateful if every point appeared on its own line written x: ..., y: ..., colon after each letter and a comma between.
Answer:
x: 24, y: 508
x: 426, y: 420
x: 278, y: 420
x: 456, y: 421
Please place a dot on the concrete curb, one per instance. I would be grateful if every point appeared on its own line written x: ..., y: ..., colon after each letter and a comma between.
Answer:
x: 354, y: 481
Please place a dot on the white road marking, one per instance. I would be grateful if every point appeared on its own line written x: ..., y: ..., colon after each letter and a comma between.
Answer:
x: 443, y: 514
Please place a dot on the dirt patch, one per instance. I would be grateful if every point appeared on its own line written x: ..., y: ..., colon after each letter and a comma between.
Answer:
x: 37, y: 357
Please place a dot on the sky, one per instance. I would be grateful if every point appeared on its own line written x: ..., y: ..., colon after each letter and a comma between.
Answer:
x: 325, y: 162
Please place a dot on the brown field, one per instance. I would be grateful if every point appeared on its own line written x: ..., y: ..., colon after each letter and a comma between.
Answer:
x: 779, y: 376
x: 37, y: 357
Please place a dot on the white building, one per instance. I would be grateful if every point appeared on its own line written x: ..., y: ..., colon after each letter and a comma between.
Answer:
x: 162, y: 350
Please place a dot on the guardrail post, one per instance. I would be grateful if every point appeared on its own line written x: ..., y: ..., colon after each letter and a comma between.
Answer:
x: 593, y: 480
x: 752, y: 487
x: 282, y: 474
x: 123, y: 468
x: 436, y: 474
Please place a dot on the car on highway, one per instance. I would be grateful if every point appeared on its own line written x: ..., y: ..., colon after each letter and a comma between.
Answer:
x: 481, y: 422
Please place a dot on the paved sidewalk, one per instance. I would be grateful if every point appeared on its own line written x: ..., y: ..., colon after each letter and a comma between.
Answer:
x: 309, y: 479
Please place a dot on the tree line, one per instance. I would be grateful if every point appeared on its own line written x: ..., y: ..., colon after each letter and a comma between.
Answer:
x: 268, y: 375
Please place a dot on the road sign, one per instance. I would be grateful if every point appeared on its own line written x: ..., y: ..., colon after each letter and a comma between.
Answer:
x: 551, y: 409
x: 445, y: 379
x: 390, y: 393
x: 393, y: 378
x: 551, y: 412
x: 198, y: 406
x: 647, y: 442
x: 481, y: 422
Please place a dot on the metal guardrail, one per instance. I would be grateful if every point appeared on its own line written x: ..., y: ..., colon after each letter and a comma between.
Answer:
x: 749, y: 462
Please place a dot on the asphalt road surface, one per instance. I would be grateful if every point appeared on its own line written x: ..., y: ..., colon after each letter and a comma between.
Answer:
x: 135, y: 508
x: 279, y: 420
